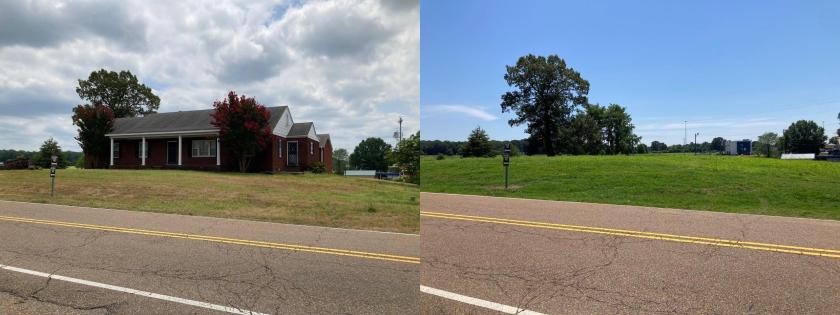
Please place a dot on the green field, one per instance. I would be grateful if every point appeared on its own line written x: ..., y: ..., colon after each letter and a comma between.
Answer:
x: 325, y: 200
x: 704, y: 182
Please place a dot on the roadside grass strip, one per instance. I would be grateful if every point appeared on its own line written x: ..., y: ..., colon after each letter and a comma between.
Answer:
x: 292, y: 247
x: 822, y: 252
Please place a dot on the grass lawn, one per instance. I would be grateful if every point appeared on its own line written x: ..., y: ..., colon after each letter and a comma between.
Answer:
x: 704, y: 182
x: 325, y: 200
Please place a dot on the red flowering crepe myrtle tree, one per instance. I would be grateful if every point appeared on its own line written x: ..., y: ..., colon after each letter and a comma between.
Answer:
x: 94, y: 121
x: 243, y: 127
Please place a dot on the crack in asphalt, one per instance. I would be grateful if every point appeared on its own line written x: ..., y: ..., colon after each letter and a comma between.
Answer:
x: 532, y: 285
x: 251, y: 278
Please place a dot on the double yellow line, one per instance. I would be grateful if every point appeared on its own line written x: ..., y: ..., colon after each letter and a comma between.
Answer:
x: 299, y: 248
x: 640, y: 234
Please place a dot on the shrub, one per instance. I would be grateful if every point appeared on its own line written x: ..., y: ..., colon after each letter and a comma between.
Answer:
x: 318, y: 167
x: 440, y: 156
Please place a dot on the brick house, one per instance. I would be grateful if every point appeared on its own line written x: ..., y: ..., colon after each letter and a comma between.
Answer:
x: 188, y: 140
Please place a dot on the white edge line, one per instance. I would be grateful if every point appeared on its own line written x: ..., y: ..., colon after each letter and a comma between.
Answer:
x: 214, y: 218
x: 206, y: 305
x: 477, y: 302
x: 712, y: 212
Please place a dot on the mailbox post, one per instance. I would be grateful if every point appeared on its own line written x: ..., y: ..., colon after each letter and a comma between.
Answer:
x: 53, y: 165
x: 506, y: 162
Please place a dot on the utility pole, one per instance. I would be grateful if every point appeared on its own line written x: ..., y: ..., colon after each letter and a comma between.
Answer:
x: 695, y: 143
x: 685, y: 136
x: 401, y: 120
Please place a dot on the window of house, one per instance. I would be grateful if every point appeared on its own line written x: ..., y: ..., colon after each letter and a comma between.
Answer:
x: 140, y: 150
x: 280, y: 147
x: 204, y: 148
x: 116, y: 152
x: 311, y: 148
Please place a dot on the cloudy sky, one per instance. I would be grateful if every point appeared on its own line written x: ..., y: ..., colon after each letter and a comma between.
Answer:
x: 350, y: 66
x: 733, y: 69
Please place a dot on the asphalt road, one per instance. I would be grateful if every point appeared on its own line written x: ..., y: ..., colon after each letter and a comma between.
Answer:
x: 196, y: 265
x: 577, y: 258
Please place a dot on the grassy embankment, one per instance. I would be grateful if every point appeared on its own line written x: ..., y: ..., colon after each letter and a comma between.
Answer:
x: 704, y: 182
x: 325, y: 200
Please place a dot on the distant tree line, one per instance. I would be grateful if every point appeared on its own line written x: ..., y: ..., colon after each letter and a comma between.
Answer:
x: 438, y: 147
x: 42, y: 157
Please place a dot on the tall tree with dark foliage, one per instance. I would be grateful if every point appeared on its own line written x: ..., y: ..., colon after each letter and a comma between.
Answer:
x: 804, y: 136
x: 119, y: 91
x: 93, y: 122
x: 478, y: 144
x: 243, y: 127
x: 546, y: 93
x: 370, y: 154
x: 49, y: 148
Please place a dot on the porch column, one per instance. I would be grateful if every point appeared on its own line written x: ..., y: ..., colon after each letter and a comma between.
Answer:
x: 112, y: 151
x: 179, y: 150
x: 218, y: 153
x: 143, y: 151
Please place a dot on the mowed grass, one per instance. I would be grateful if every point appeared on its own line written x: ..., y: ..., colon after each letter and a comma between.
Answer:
x: 703, y: 182
x: 324, y: 200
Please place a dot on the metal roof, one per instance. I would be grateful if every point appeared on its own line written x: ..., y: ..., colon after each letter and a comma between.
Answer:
x: 193, y: 120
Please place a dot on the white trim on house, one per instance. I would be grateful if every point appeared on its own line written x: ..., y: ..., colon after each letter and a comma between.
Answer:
x: 163, y: 133
x: 279, y: 147
x: 143, y: 151
x: 112, y: 152
x: 312, y: 134
x: 211, y: 151
x: 284, y: 125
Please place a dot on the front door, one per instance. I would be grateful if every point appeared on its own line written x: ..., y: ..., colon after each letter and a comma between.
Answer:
x: 293, y: 155
x: 172, y: 152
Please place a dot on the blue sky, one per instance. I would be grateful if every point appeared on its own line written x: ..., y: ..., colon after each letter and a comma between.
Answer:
x: 731, y: 68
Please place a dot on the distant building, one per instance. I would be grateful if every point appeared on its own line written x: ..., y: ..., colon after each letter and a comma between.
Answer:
x: 743, y: 147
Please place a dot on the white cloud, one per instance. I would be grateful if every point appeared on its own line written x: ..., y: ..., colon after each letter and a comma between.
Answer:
x: 470, y: 111
x: 352, y: 67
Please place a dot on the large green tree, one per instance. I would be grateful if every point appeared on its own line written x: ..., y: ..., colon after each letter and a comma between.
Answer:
x: 585, y: 134
x: 340, y: 157
x: 93, y: 122
x: 618, y: 131
x: 546, y: 93
x: 370, y: 154
x: 766, y: 144
x: 243, y: 127
x: 478, y: 144
x: 49, y: 148
x: 119, y: 91
x: 804, y: 136
x: 657, y: 146
x: 718, y: 144
x: 406, y: 155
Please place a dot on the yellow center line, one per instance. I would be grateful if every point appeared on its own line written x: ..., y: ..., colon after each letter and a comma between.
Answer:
x: 292, y: 247
x: 832, y: 253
